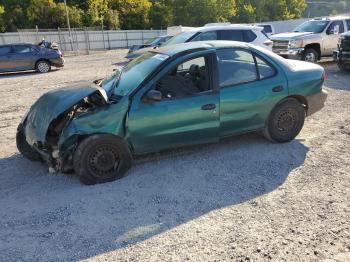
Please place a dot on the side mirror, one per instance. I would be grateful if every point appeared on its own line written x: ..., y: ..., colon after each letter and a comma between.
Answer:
x: 154, y: 95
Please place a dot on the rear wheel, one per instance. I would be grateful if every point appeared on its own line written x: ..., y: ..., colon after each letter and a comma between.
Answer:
x: 23, y: 147
x: 43, y: 66
x: 101, y: 158
x: 310, y: 55
x: 285, y: 122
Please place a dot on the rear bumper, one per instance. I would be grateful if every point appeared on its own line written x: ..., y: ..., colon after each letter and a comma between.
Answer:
x: 291, y: 53
x: 58, y: 62
x: 316, y: 102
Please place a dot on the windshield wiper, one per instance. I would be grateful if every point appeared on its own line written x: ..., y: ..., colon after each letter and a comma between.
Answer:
x: 98, y: 81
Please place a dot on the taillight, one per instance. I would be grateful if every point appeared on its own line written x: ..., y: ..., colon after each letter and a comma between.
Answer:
x: 324, y: 76
x: 268, y: 42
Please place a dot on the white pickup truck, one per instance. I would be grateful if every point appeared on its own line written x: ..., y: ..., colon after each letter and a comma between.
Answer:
x: 312, y: 39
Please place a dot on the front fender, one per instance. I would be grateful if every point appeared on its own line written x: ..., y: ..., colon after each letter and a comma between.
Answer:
x: 110, y: 120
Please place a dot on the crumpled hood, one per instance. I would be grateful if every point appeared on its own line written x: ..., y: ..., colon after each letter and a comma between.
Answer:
x: 49, y: 106
x: 290, y: 36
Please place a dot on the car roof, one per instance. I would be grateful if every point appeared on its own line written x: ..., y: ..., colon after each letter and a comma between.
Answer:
x: 330, y: 18
x: 18, y: 44
x: 224, y: 27
x: 173, y: 50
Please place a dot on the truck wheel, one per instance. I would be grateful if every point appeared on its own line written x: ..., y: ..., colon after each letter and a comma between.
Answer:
x: 23, y: 147
x: 43, y: 66
x: 101, y: 158
x: 310, y: 55
x: 343, y: 68
x: 285, y: 121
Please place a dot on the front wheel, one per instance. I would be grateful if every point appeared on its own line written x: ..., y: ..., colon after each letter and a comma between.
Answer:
x: 310, y: 55
x: 343, y: 68
x: 23, y: 147
x: 285, y: 122
x: 101, y: 158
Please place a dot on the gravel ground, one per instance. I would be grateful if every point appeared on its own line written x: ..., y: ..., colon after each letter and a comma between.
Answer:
x: 241, y: 199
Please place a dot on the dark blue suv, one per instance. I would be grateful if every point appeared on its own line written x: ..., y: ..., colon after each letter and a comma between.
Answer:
x: 20, y: 57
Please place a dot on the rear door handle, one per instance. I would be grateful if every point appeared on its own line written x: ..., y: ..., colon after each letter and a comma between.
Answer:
x: 277, y: 89
x: 208, y: 107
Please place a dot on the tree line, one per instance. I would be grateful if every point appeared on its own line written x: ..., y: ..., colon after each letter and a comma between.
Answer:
x: 142, y: 14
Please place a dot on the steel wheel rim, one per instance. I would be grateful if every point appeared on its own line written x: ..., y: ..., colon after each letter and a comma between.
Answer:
x: 310, y: 57
x: 286, y: 121
x: 43, y: 67
x: 103, y: 161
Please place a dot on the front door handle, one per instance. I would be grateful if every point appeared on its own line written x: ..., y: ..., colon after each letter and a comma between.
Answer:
x: 277, y: 89
x: 208, y: 107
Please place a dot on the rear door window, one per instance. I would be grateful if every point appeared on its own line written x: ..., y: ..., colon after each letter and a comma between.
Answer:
x: 334, y: 25
x: 4, y: 50
x: 21, y: 49
x: 236, y: 66
x: 265, y: 69
x: 348, y: 25
x: 231, y: 35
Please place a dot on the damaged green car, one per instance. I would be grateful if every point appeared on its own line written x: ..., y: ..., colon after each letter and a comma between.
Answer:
x: 171, y: 97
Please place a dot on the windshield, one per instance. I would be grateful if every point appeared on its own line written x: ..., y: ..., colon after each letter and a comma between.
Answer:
x: 150, y: 41
x: 312, y: 26
x: 123, y: 81
x: 180, y: 38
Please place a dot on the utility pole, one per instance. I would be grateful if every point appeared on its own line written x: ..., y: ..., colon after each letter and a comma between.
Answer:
x: 68, y: 24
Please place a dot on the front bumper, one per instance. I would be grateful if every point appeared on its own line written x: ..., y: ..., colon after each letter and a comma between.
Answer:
x: 291, y: 53
x: 316, y: 102
x: 341, y: 56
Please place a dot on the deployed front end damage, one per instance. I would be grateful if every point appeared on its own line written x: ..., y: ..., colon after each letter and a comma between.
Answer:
x: 61, y: 118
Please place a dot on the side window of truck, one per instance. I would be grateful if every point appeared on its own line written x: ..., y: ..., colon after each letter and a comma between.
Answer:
x: 348, y: 24
x: 334, y: 25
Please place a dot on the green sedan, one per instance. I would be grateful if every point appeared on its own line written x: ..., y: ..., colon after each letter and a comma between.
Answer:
x: 171, y: 97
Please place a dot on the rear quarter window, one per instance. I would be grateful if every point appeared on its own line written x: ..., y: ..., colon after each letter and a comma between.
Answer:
x: 249, y: 36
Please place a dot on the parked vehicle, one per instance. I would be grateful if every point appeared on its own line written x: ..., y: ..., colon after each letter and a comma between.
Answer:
x: 21, y: 57
x: 174, y: 96
x: 342, y: 54
x: 213, y: 31
x: 153, y: 42
x: 268, y: 28
x: 312, y: 39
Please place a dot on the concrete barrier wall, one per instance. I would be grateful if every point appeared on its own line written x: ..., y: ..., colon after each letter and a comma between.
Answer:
x: 83, y: 39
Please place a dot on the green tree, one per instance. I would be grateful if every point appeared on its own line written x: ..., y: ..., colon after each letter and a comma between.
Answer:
x: 2, y: 23
x: 268, y: 10
x: 200, y: 12
x: 133, y: 14
x: 48, y: 14
x: 161, y: 14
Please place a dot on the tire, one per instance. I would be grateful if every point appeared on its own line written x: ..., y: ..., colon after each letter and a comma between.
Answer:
x: 343, y: 68
x: 23, y: 147
x: 43, y: 66
x: 310, y: 55
x: 285, y: 121
x: 101, y: 158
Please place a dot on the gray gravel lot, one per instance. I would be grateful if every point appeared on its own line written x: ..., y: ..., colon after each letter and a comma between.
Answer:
x: 241, y: 199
